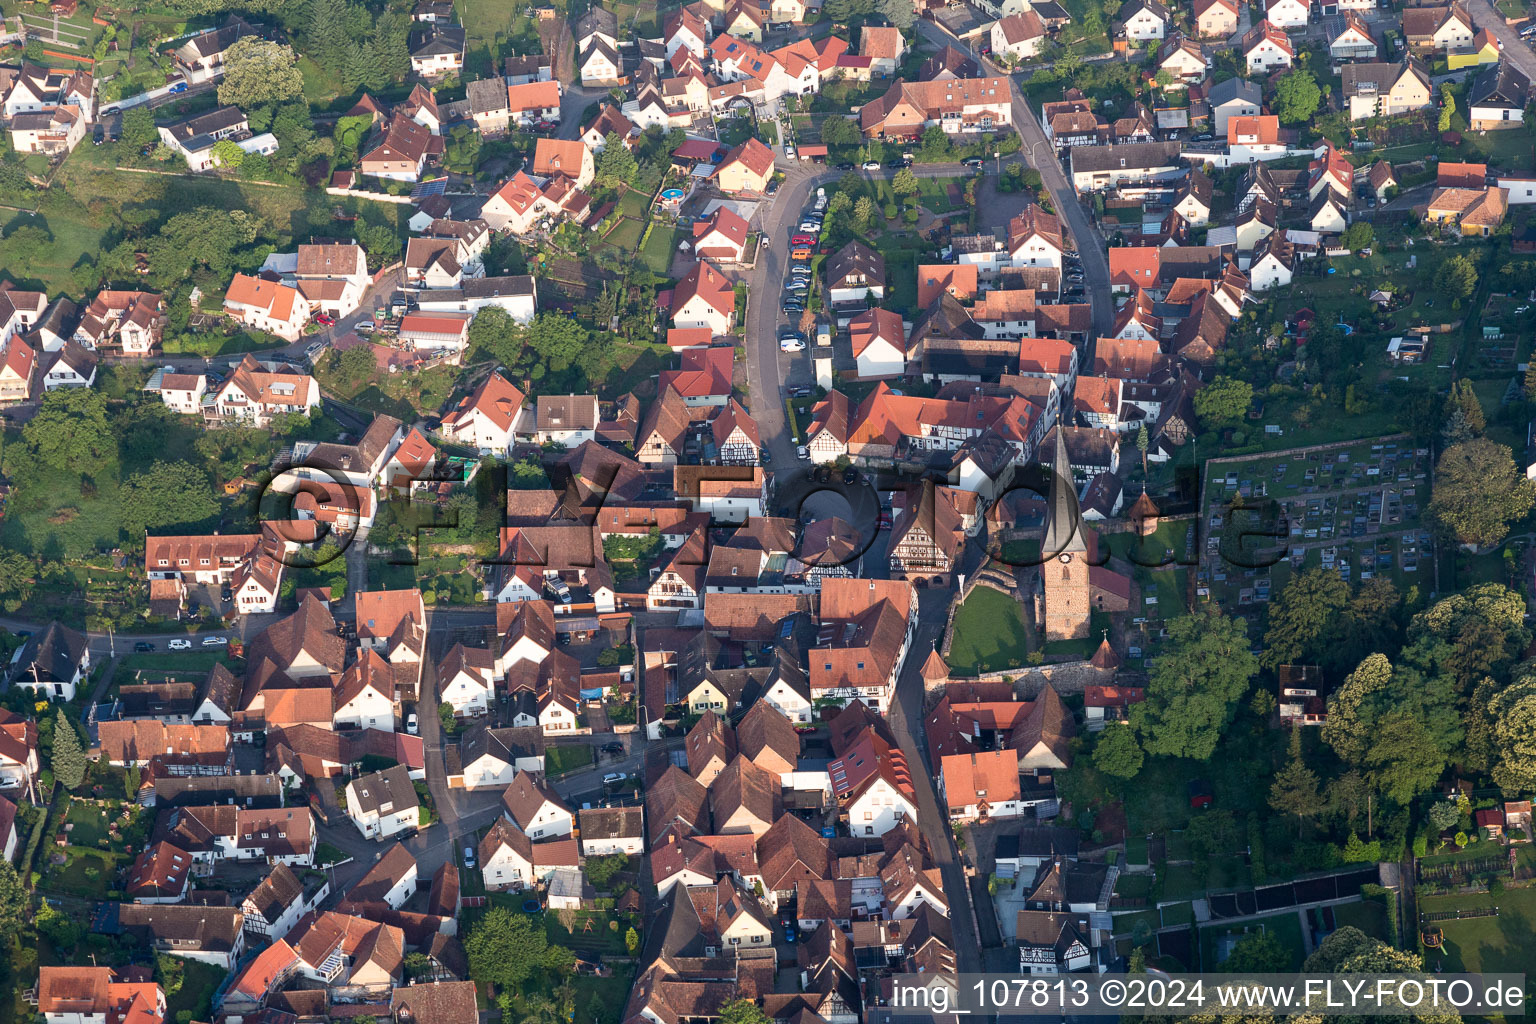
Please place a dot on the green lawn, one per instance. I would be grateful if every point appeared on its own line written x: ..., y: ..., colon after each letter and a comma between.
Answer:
x: 625, y: 235
x: 90, y: 824
x: 63, y: 515
x: 198, y: 983
x: 1179, y: 882
x: 659, y: 249
x: 176, y: 661
x: 86, y: 872
x: 989, y: 634
x: 1286, y: 927
x: 93, y: 202
x: 1490, y: 944
x: 601, y: 1000
x: 590, y: 931
x: 1367, y: 915
x: 1508, y: 150
x: 560, y: 759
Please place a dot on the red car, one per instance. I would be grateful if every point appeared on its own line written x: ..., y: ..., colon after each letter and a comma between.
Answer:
x: 325, y: 319
x: 803, y: 240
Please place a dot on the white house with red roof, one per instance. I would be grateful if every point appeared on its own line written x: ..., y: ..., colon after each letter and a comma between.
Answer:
x: 736, y: 436
x: 879, y: 343
x: 1286, y: 14
x: 267, y: 306
x: 1049, y: 357
x: 1254, y: 138
x: 534, y: 101
x: 705, y: 299
x: 1267, y: 47
x: 721, y: 236
x: 872, y: 784
x: 254, y: 393
x: 18, y: 363
x: 435, y: 334
x: 703, y: 377
x: 484, y: 419
x: 982, y: 784
x: 410, y: 466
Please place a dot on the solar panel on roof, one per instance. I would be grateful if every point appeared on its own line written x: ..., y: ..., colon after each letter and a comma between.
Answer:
x: 430, y: 187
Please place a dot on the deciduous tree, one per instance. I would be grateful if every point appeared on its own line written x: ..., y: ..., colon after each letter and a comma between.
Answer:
x: 138, y: 128
x: 167, y: 494
x: 70, y: 430
x: 838, y: 130
x: 1201, y: 675
x: 900, y: 13
x: 1117, y: 753
x: 258, y: 71
x: 1479, y: 491
x: 14, y: 902
x: 742, y: 1011
x: 504, y: 949
x: 1222, y: 402
x: 1513, y: 711
x: 1257, y: 953
x: 1306, y: 617
x: 1296, y: 96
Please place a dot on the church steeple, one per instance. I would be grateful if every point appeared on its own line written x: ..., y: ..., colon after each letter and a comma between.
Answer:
x: 1063, y: 531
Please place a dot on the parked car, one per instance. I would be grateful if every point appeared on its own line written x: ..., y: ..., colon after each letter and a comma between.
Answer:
x: 180, y: 645
x: 850, y: 475
x: 792, y: 345
x: 143, y: 645
x: 792, y: 306
x: 325, y: 319
x: 614, y: 778
x: 411, y: 723
x: 469, y: 857
x: 613, y: 748
x: 802, y: 239
x: 215, y: 641
x: 789, y: 151
x: 364, y: 327
x: 871, y: 165
x: 802, y: 453
x: 799, y: 391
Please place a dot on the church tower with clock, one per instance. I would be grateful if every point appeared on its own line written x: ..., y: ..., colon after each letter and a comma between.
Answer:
x: 1064, y: 555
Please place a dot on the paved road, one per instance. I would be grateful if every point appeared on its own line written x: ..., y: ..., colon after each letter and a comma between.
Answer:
x: 377, y: 294
x: 770, y: 371
x: 1041, y: 155
x: 1514, y: 49
x: 906, y: 719
x: 574, y: 101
